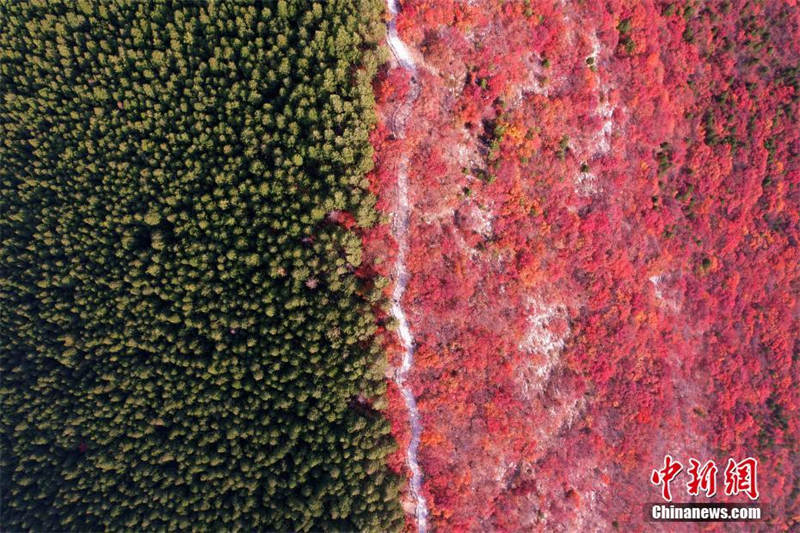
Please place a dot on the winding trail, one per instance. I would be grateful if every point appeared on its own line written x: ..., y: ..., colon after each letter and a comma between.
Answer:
x: 400, y: 226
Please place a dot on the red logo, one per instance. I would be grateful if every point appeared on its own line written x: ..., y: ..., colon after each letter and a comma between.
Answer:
x: 702, y: 478
x: 740, y: 477
x: 665, y: 475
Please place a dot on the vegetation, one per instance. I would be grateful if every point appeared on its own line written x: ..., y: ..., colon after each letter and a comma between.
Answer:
x: 625, y: 285
x: 185, y: 341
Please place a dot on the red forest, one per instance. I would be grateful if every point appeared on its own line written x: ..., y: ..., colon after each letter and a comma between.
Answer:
x: 603, y: 253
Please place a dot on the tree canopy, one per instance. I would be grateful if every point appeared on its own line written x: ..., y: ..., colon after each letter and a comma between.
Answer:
x: 185, y: 343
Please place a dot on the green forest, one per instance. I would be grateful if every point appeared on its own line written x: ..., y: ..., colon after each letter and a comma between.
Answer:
x: 185, y: 342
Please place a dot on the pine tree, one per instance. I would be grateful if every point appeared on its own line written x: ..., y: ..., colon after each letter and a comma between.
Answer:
x: 167, y: 361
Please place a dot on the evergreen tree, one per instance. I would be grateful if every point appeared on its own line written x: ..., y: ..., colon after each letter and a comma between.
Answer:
x: 167, y: 362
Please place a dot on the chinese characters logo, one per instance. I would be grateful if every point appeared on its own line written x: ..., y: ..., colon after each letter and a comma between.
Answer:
x: 739, y: 477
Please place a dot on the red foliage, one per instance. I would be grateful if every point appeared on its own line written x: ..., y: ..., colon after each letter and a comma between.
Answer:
x: 604, y: 252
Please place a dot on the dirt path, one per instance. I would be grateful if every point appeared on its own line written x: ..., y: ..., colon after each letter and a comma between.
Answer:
x: 400, y: 229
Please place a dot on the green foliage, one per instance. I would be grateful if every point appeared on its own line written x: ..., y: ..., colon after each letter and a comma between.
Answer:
x: 625, y: 40
x: 664, y: 157
x: 563, y: 147
x: 184, y: 343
